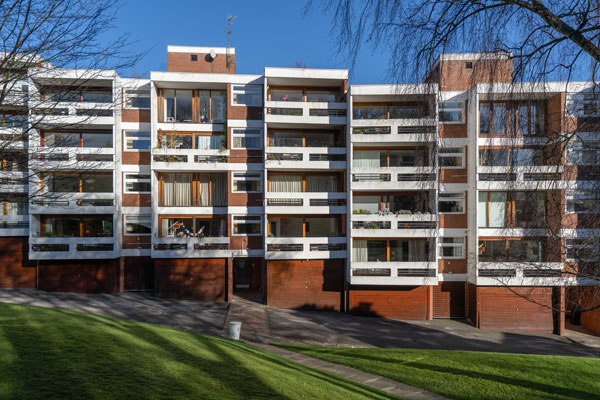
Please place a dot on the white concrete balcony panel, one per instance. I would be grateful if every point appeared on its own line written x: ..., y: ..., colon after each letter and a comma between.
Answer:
x: 387, y: 273
x: 512, y: 141
x: 305, y: 158
x: 512, y: 232
x: 394, y: 178
x: 21, y: 188
x: 72, y: 120
x: 305, y: 202
x: 73, y: 252
x: 73, y: 203
x: 393, y: 233
x: 392, y: 138
x: 300, y: 112
x: 210, y: 247
x: 189, y: 127
x: 395, y: 123
x: 14, y: 225
x: 191, y: 210
x: 16, y: 97
x: 520, y: 185
x: 305, y: 248
x: 516, y: 274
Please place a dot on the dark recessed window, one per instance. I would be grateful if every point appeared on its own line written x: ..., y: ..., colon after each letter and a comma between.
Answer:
x: 468, y: 64
x: 194, y: 57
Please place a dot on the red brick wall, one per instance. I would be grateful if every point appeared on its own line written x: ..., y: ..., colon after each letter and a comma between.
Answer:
x: 402, y: 302
x: 135, y: 157
x: 135, y: 115
x: 501, y: 309
x: 15, y: 268
x: 455, y: 76
x: 136, y: 200
x: 242, y: 199
x: 80, y: 276
x: 191, y: 279
x: 313, y: 284
x: 449, y: 300
x: 181, y: 62
x: 588, y: 297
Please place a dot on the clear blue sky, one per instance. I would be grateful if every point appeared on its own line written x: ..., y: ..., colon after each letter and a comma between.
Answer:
x: 266, y: 33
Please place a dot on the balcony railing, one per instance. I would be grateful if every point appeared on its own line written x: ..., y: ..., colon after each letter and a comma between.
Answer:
x: 393, y: 273
x: 305, y: 247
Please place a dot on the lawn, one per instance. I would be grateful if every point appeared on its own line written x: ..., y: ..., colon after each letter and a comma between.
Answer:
x: 474, y: 375
x: 57, y: 354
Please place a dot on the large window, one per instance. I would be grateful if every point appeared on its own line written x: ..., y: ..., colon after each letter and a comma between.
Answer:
x: 451, y: 157
x: 394, y: 250
x: 247, y: 225
x: 583, y: 201
x: 452, y: 203
x: 137, y: 183
x: 192, y: 190
x: 321, y: 226
x: 247, y: 182
x: 305, y: 138
x: 138, y: 225
x: 520, y: 157
x: 87, y: 95
x: 491, y: 210
x: 100, y: 182
x: 452, y: 247
x: 249, y: 139
x: 452, y: 112
x: 192, y: 226
x: 77, y: 226
x: 197, y: 141
x: 303, y: 183
x: 511, y: 118
x: 582, y: 249
x: 14, y: 204
x: 137, y: 98
x: 389, y: 158
x: 249, y: 95
x: 514, y: 209
x: 581, y: 152
x: 511, y: 250
x: 137, y: 140
x: 197, y: 106
x: 407, y: 110
x: 401, y: 203
x: 91, y: 138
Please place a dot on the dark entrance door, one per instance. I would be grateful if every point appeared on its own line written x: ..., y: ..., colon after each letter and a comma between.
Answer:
x: 139, y: 274
x: 242, y: 273
x: 247, y: 278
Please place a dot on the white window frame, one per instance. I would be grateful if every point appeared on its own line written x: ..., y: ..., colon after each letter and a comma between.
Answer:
x: 575, y: 146
x: 570, y: 194
x: 244, y: 132
x: 242, y: 89
x: 134, y: 138
x: 460, y: 154
x: 136, y: 180
x: 137, y: 217
x: 233, y: 180
x: 134, y: 92
x: 460, y: 245
x: 245, y: 221
x: 460, y: 108
x: 458, y: 197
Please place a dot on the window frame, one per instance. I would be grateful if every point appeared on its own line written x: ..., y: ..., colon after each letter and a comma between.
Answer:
x: 125, y: 139
x: 126, y: 216
x: 235, y: 90
x: 460, y: 109
x: 234, y: 135
x: 567, y: 199
x: 127, y: 96
x: 245, y: 221
x: 245, y: 173
x: 460, y: 245
x: 460, y: 197
x: 442, y: 154
x: 136, y: 180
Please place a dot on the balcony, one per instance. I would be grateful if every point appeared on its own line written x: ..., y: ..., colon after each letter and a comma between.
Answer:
x: 57, y: 248
x: 305, y: 248
x: 14, y: 225
x: 520, y: 273
x: 74, y: 203
x: 306, y: 203
x: 301, y: 112
x: 393, y: 225
x: 333, y: 158
x: 394, y: 273
x: 16, y: 95
x: 190, y: 247
x: 394, y: 178
x: 70, y: 114
x: 543, y: 177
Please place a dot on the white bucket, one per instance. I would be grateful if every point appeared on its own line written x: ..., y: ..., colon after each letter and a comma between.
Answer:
x: 234, y: 330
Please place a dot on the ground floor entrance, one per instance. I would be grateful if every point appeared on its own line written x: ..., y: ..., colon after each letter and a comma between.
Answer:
x: 248, y: 279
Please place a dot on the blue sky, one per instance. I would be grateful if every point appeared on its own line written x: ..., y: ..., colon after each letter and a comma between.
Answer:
x: 266, y: 33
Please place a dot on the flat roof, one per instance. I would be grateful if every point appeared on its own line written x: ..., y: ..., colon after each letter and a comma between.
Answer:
x: 199, y: 49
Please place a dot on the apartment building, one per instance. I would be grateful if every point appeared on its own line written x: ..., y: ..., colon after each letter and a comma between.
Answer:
x: 453, y: 198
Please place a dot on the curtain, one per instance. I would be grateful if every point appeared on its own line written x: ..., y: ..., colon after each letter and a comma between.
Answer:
x: 208, y: 142
x: 169, y: 190
x: 184, y: 190
x: 359, y: 250
x: 416, y: 250
x: 482, y: 210
x: 204, y: 189
x: 285, y: 183
x: 366, y: 159
x: 321, y: 183
x: 219, y: 190
x: 497, y: 207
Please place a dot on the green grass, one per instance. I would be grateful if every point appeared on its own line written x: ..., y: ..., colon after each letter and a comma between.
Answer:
x: 57, y: 354
x: 474, y: 375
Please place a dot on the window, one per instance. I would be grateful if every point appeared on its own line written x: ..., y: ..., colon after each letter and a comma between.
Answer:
x: 469, y: 65
x: 501, y: 119
x: 582, y: 249
x: 14, y: 204
x: 187, y: 189
x: 250, y: 95
x: 137, y: 183
x: 511, y: 250
x: 138, y: 225
x: 583, y: 201
x: 451, y: 157
x: 13, y: 121
x: 198, y: 106
x: 583, y: 104
x: 581, y: 152
x: 192, y: 226
x: 493, y: 157
x: 137, y: 140
x: 452, y: 203
x: 247, y: 139
x: 194, y: 57
x: 491, y: 210
x: 247, y: 225
x: 392, y: 250
x: 452, y: 112
x: 77, y: 183
x: 247, y: 182
x: 452, y: 247
x: 137, y: 98
x: 91, y: 138
x: 77, y: 226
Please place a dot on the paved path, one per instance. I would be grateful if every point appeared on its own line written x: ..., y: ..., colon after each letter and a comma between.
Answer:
x: 375, y: 381
x: 319, y: 328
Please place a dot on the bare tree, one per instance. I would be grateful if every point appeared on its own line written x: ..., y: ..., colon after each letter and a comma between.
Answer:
x: 546, y: 40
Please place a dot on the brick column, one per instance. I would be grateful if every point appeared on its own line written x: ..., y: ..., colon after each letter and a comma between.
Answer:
x: 430, y: 302
x: 229, y: 279
x: 121, y: 272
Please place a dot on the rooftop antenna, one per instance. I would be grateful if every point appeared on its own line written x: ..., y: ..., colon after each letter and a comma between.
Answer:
x: 230, y: 19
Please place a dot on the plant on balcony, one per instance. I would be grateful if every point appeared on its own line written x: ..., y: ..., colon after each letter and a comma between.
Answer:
x: 361, y: 211
x: 372, y: 225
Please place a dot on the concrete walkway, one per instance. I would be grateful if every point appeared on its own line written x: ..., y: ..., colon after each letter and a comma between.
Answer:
x: 375, y: 381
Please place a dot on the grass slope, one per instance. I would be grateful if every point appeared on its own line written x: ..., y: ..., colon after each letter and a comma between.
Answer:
x: 474, y: 375
x: 46, y: 354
